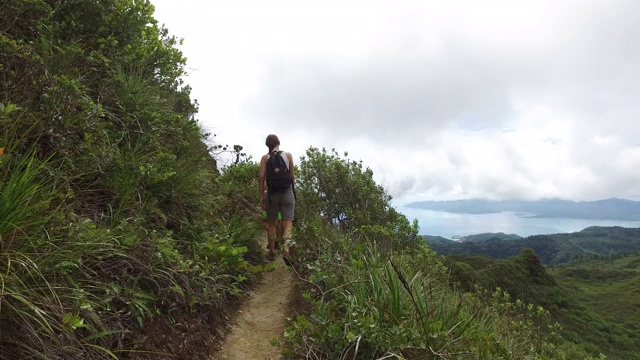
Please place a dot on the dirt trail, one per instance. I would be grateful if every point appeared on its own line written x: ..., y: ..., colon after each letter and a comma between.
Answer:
x: 261, y: 319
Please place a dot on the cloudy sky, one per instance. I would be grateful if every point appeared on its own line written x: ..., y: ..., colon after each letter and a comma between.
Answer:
x: 442, y: 99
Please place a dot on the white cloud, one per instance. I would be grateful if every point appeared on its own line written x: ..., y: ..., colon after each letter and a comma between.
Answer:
x: 443, y: 100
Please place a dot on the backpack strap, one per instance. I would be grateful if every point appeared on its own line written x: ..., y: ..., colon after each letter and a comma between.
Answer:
x: 283, y: 154
x: 293, y: 183
x: 286, y: 161
x: 286, y: 158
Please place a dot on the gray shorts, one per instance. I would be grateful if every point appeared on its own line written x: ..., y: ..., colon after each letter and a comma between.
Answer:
x: 283, y: 202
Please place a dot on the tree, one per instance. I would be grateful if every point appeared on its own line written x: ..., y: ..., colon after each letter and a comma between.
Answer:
x: 343, y: 193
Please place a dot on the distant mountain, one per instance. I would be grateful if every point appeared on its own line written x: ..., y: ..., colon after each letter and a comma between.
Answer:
x: 551, y: 249
x: 490, y: 236
x: 608, y: 209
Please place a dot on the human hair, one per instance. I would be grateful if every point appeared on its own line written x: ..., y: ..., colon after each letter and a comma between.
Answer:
x: 272, y: 141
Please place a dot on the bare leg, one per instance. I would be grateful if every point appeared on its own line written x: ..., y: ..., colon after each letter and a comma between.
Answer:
x: 279, y: 229
x: 286, y: 233
x: 265, y: 225
x: 271, y: 235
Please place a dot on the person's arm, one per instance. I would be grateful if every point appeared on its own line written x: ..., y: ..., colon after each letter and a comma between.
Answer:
x: 262, y: 178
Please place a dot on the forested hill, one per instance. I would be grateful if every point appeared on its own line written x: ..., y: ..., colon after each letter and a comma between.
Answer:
x: 552, y: 249
x: 608, y: 209
x: 594, y: 298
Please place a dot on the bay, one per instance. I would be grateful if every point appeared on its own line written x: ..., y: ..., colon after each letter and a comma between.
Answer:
x: 451, y: 225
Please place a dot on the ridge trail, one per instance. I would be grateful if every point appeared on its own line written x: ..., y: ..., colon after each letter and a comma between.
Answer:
x: 261, y: 319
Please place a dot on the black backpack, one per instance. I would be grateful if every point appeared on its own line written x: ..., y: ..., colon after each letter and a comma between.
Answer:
x: 278, y: 176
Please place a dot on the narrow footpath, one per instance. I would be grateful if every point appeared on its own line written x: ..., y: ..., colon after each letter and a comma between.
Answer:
x: 257, y: 329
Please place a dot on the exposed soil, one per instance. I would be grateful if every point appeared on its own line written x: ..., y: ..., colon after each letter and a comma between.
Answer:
x: 189, y: 335
x: 249, y: 329
x: 257, y: 329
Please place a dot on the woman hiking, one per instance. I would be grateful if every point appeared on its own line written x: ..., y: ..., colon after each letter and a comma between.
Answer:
x: 277, y: 174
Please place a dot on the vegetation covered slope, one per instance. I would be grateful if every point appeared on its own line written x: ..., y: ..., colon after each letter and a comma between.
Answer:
x: 552, y: 249
x: 607, y: 286
x: 376, y: 291
x: 115, y: 225
x: 593, y: 298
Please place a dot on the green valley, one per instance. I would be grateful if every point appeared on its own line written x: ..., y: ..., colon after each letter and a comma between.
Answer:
x: 593, y: 297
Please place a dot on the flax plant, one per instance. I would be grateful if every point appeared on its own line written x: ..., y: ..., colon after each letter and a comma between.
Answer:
x: 368, y: 304
x: 23, y: 196
x: 36, y: 319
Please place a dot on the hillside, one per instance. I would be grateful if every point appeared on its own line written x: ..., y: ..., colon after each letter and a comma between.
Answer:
x: 552, y: 249
x: 108, y: 186
x: 607, y: 285
x: 593, y: 299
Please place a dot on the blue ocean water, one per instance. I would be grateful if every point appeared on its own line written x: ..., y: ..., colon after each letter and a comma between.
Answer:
x: 449, y: 225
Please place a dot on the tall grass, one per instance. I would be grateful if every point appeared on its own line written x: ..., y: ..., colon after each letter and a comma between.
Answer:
x: 369, y: 304
x: 73, y: 287
x: 125, y: 222
x: 36, y: 320
x: 23, y: 196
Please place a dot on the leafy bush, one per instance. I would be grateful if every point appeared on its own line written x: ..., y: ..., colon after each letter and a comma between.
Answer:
x: 343, y: 193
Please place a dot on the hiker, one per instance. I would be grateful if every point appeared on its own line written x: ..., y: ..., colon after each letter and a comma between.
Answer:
x: 276, y: 172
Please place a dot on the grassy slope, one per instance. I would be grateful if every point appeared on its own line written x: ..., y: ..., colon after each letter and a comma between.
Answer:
x: 607, y: 287
x: 119, y: 237
x: 595, y: 301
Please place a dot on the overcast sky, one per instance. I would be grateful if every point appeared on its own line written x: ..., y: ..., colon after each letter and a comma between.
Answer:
x: 441, y: 99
